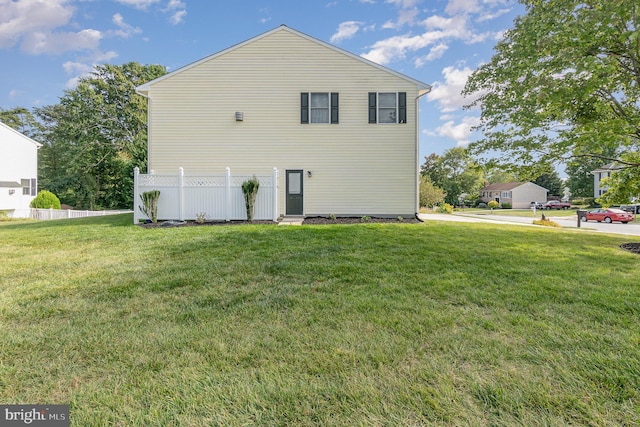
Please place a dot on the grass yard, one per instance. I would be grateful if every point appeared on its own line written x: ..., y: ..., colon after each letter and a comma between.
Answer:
x: 347, y: 325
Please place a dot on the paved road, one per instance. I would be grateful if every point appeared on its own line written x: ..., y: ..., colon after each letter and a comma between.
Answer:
x: 631, y: 229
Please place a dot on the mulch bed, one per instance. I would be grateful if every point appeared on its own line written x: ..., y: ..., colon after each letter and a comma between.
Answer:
x: 358, y: 220
x: 631, y: 247
x: 170, y: 224
x: 307, y: 221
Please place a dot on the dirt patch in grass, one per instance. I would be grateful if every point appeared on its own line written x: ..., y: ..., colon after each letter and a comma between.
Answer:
x: 631, y: 247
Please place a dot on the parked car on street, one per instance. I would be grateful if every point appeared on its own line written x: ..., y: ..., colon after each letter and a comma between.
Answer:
x: 631, y: 208
x: 556, y: 204
x: 608, y: 216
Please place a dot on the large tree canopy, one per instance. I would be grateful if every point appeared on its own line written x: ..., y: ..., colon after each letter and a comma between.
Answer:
x: 455, y: 172
x: 564, y: 84
x: 95, y: 136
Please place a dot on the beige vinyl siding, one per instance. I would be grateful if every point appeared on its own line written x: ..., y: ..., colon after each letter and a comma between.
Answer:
x: 527, y: 193
x: 358, y: 168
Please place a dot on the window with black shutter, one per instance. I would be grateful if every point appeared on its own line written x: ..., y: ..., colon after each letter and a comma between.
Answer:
x: 319, y: 107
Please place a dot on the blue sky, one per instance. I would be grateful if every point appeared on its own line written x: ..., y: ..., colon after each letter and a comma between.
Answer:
x: 45, y: 45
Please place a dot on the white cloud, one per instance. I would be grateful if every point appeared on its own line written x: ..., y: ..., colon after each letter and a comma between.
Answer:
x: 489, y: 15
x: 22, y: 18
x: 178, y: 11
x: 84, y: 66
x: 125, y: 30
x: 459, y: 132
x: 57, y: 42
x: 346, y: 30
x: 436, y: 52
x: 138, y: 4
x: 178, y: 17
x: 455, y: 7
x: 448, y: 93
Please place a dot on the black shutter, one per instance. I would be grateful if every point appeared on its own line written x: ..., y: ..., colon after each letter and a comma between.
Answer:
x: 372, y: 107
x: 334, y: 108
x: 402, y: 107
x: 34, y: 187
x: 304, y: 108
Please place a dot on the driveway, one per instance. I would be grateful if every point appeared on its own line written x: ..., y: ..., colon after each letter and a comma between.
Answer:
x: 631, y: 229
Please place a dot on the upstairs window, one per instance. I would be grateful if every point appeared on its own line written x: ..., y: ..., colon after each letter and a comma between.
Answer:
x: 319, y: 107
x: 387, y: 107
x: 29, y: 186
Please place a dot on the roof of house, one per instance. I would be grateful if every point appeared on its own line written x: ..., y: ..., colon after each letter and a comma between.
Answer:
x: 9, y: 184
x: 23, y: 136
x: 506, y: 186
x: 606, y: 168
x: 424, y: 88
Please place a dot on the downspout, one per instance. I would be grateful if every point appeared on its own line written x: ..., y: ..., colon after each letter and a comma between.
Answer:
x: 417, y: 153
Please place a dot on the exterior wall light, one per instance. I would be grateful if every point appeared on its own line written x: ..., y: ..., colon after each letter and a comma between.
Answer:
x: 309, y: 174
x: 239, y: 116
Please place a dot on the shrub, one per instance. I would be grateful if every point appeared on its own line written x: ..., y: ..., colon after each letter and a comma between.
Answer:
x: 506, y: 206
x: 45, y: 200
x: 150, y: 204
x: 365, y: 218
x: 430, y: 195
x: 482, y: 205
x: 201, y: 218
x: 493, y: 204
x: 250, y: 190
x: 546, y: 222
x: 332, y: 217
x: 445, y: 208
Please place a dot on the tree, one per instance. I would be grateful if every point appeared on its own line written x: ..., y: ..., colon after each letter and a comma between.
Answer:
x: 552, y: 182
x: 430, y: 195
x: 21, y: 119
x: 564, y: 84
x: 95, y: 136
x: 455, y: 172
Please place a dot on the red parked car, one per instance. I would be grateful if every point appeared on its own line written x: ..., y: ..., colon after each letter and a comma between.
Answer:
x: 607, y: 215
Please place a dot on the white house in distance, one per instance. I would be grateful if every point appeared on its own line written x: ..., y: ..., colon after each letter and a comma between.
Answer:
x: 18, y: 171
x: 600, y: 173
x: 341, y: 130
x: 518, y: 194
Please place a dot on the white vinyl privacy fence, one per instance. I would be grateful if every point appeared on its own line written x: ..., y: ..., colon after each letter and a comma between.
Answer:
x: 215, y: 197
x: 47, y: 214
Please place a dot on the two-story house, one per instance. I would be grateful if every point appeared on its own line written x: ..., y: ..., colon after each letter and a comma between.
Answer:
x: 18, y: 171
x: 342, y: 130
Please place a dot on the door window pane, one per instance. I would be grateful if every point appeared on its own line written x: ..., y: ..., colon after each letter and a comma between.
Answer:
x: 294, y: 183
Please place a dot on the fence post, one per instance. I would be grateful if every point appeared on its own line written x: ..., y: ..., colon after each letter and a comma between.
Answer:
x: 274, y: 186
x: 181, y: 193
x: 227, y: 193
x: 136, y: 194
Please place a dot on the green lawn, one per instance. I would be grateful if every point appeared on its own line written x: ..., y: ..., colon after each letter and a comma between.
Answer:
x: 349, y: 325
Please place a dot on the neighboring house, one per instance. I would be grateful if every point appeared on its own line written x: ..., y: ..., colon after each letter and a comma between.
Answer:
x: 341, y: 130
x: 18, y: 171
x: 518, y: 194
x: 603, y: 172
